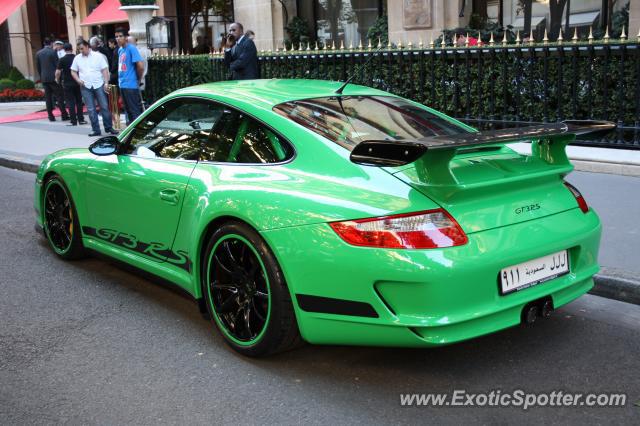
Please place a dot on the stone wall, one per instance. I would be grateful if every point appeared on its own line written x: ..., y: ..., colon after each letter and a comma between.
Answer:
x: 265, y: 18
x: 634, y: 19
x: 416, y: 20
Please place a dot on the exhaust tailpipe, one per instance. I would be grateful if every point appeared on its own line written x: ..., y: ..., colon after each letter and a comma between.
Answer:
x: 547, y: 308
x: 538, y: 308
x: 530, y: 314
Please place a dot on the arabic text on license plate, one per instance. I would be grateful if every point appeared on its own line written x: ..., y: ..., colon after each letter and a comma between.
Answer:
x: 527, y: 274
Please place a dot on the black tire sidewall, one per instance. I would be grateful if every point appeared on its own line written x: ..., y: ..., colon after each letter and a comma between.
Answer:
x: 76, y: 251
x: 272, y: 338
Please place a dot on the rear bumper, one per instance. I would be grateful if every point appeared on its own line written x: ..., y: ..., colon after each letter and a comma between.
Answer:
x: 430, y: 297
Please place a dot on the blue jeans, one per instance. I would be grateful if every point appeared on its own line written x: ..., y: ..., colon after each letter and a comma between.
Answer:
x: 132, y: 103
x: 90, y: 96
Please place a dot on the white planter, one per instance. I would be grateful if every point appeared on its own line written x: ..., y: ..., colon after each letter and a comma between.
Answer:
x: 138, y: 17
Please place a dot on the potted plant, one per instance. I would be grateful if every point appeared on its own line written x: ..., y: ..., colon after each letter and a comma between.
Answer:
x: 139, y: 13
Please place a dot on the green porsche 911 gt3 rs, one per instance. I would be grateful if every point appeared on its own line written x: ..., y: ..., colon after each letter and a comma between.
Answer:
x: 294, y: 211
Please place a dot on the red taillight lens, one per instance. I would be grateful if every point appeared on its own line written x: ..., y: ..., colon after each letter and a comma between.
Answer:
x: 582, y: 203
x: 422, y: 230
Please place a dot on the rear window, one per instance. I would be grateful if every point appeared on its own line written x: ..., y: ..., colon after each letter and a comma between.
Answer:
x: 349, y: 120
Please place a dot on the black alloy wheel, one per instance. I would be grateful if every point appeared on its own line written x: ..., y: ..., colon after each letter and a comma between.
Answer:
x: 246, y: 294
x: 60, y: 220
x: 239, y: 289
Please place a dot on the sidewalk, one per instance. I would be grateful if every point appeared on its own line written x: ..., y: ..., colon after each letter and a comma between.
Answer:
x: 598, y: 160
x: 23, y: 145
x: 14, y: 108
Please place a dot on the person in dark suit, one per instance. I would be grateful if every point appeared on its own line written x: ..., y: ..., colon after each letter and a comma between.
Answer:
x: 46, y: 64
x: 71, y: 89
x: 240, y: 54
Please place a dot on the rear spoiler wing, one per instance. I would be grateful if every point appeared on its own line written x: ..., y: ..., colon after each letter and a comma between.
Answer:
x: 549, y: 142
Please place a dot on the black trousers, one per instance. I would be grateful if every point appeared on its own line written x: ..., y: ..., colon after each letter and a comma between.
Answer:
x: 132, y: 103
x: 73, y: 98
x: 53, y: 91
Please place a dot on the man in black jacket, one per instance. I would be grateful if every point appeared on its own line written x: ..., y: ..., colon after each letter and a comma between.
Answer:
x: 241, y: 55
x: 46, y: 64
x: 72, y: 95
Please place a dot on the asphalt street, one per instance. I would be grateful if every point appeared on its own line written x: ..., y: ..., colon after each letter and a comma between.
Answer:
x: 87, y: 342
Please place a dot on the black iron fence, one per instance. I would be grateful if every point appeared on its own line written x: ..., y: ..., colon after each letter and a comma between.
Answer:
x: 491, y: 86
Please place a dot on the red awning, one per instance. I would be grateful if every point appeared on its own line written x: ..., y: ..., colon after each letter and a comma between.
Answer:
x: 107, y: 13
x: 7, y: 7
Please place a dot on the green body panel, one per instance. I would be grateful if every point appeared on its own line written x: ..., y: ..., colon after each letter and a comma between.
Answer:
x: 71, y: 165
x: 495, y: 189
x: 138, y: 196
x: 422, y: 297
x: 447, y: 294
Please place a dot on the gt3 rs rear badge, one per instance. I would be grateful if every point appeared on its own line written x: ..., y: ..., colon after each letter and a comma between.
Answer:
x: 529, y: 208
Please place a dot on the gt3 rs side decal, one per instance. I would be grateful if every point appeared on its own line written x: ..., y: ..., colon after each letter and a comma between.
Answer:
x: 157, y: 251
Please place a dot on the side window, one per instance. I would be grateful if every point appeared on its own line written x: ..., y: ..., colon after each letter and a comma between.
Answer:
x: 238, y: 138
x: 177, y: 129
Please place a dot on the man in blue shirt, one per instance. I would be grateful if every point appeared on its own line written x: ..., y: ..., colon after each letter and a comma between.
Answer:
x: 130, y: 73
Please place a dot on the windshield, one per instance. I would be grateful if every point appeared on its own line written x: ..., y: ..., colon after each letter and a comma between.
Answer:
x: 349, y: 120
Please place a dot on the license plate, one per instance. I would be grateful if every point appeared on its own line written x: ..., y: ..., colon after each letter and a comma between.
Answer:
x: 532, y: 272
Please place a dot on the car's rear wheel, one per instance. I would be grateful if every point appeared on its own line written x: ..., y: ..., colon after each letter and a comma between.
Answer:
x: 60, y: 220
x: 246, y: 293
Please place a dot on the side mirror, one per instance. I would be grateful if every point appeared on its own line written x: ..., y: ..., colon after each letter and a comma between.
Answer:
x: 105, y: 146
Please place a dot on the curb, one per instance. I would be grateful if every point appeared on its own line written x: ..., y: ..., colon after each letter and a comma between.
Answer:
x: 610, y: 283
x: 618, y: 285
x: 606, y: 167
x: 18, y: 164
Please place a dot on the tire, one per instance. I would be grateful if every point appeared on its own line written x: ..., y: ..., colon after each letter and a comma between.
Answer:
x: 60, y: 220
x: 246, y: 294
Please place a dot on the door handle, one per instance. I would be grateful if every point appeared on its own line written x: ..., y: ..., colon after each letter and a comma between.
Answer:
x: 171, y: 196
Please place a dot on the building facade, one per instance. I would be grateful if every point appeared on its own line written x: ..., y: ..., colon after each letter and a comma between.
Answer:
x: 346, y: 23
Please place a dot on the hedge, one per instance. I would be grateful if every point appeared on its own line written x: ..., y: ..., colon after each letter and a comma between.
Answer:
x: 533, y: 83
x: 25, y: 84
x: 6, y: 83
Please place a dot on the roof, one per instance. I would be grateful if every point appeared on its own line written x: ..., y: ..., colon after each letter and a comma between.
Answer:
x: 7, y: 7
x: 107, y: 12
x: 268, y: 93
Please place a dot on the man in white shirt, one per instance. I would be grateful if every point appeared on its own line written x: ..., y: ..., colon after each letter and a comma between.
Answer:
x: 91, y: 70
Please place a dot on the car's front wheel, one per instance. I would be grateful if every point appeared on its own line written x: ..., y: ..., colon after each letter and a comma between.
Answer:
x: 246, y: 294
x: 60, y: 220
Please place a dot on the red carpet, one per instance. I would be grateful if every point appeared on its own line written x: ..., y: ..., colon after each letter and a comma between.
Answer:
x: 27, y: 117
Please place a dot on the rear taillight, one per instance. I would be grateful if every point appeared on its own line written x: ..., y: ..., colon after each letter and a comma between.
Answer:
x: 582, y: 203
x: 421, y: 230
